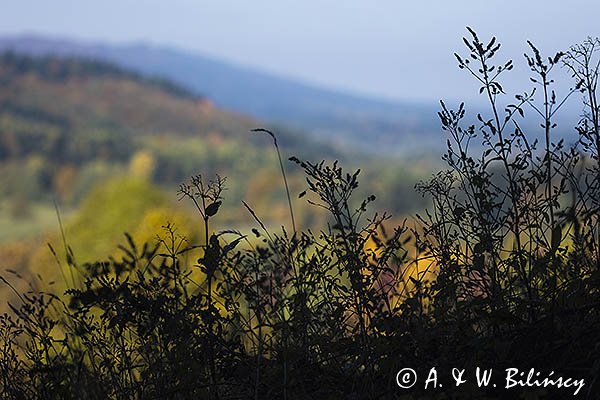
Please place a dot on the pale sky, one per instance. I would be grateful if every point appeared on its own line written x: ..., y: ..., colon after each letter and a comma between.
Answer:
x: 388, y: 48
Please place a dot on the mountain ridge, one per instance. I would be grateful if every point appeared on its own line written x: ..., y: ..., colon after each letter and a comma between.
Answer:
x: 327, y: 113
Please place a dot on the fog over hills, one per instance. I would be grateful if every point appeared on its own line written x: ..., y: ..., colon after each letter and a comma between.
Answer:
x: 346, y: 119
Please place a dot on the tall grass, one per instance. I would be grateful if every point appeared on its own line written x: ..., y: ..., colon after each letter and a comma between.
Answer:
x: 501, y: 271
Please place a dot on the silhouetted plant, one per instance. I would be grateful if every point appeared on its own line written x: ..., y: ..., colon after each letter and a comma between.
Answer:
x: 508, y: 222
x: 504, y: 273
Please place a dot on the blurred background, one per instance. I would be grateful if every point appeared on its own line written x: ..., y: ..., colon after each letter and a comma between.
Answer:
x: 106, y: 107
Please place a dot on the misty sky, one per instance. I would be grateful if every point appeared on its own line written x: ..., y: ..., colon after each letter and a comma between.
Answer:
x: 391, y: 48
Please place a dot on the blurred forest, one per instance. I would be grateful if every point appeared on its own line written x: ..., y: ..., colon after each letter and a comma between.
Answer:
x: 85, y: 134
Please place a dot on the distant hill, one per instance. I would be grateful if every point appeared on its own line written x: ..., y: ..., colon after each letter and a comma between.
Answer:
x: 52, y: 97
x: 79, y: 119
x: 67, y: 123
x: 373, y: 124
x: 68, y: 101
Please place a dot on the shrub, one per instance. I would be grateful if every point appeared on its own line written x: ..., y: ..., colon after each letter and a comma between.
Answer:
x: 501, y: 271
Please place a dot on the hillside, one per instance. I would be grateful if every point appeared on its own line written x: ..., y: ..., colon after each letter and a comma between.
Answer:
x: 100, y: 101
x: 97, y: 97
x: 67, y: 124
x: 111, y: 147
x: 68, y: 114
x: 374, y: 124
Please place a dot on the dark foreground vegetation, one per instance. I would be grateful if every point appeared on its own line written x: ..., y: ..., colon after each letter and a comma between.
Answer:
x: 502, y: 271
